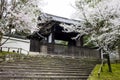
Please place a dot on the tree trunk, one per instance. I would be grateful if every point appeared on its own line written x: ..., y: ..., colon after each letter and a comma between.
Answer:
x: 119, y: 51
x: 1, y: 34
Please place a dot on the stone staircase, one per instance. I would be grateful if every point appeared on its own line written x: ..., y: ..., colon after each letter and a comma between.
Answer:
x: 46, y: 68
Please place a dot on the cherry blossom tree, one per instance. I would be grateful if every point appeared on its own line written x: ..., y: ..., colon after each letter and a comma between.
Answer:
x: 19, y: 15
x: 101, y: 20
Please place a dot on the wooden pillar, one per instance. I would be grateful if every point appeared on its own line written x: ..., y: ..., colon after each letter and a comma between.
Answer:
x: 44, y: 49
x: 8, y: 49
x: 80, y: 42
x: 0, y: 49
x: 53, y: 35
x: 51, y: 38
x: 71, y: 43
x: 48, y: 39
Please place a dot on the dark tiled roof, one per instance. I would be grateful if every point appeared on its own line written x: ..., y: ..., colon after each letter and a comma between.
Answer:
x: 46, y: 16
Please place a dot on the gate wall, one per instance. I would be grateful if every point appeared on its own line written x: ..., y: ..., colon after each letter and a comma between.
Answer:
x: 55, y: 49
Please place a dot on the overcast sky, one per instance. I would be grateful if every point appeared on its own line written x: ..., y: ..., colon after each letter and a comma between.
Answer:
x: 59, y: 7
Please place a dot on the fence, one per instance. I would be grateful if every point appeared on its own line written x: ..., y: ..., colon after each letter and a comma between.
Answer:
x: 73, y: 51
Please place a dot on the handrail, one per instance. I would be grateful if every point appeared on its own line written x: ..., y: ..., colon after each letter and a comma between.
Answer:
x: 101, y: 68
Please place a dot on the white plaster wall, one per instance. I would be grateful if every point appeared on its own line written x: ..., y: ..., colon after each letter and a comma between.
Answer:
x: 17, y: 43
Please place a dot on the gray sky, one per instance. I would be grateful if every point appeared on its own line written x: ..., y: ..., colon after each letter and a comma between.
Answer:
x: 59, y: 7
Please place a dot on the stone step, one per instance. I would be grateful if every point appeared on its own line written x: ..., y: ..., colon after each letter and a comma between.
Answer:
x: 58, y: 61
x: 41, y: 79
x: 46, y: 70
x: 15, y: 77
x: 46, y: 67
x: 40, y: 71
x: 52, y: 70
x: 42, y: 74
x: 75, y: 63
x: 51, y: 57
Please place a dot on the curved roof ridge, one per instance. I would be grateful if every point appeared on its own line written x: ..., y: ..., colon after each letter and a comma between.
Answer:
x: 46, y: 16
